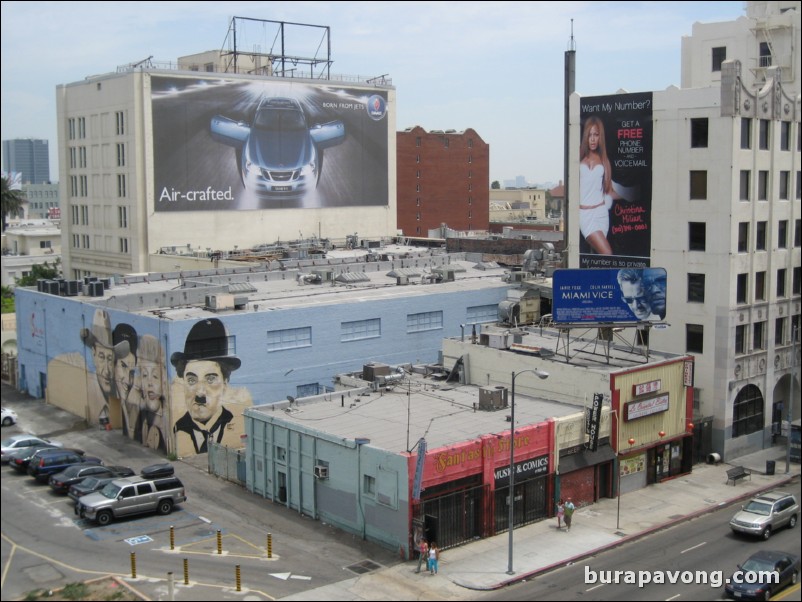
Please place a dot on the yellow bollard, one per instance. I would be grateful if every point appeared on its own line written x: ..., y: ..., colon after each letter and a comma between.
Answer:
x: 172, y: 537
x: 270, y: 545
x: 186, y: 571
x: 219, y: 541
x: 239, y: 580
x: 133, y: 565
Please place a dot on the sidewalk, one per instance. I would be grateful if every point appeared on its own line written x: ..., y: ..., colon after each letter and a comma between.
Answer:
x: 482, y: 565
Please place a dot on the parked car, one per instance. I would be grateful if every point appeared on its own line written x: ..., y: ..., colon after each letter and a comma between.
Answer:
x: 72, y: 475
x: 766, y: 513
x: 16, y: 442
x: 87, y: 486
x: 760, y: 566
x: 279, y: 154
x: 20, y: 458
x: 47, y: 462
x: 9, y: 417
x: 131, y: 496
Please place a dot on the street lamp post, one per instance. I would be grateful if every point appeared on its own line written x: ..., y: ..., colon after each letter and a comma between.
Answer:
x: 542, y: 375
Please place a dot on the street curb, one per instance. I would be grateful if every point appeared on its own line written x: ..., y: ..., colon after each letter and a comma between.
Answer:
x: 629, y: 538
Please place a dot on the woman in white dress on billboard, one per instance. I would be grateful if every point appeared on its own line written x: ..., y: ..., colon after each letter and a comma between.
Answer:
x: 596, y: 194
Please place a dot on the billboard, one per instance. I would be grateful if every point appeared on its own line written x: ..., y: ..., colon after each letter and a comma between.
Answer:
x: 226, y: 145
x: 615, y: 181
x: 604, y: 296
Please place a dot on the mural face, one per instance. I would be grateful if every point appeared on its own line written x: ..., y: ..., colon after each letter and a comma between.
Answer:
x: 204, y: 369
x: 100, y: 386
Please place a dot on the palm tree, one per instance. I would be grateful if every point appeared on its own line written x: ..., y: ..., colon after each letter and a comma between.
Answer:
x: 11, y: 201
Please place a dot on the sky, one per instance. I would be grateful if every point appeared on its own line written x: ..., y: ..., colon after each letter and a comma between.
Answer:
x: 495, y: 67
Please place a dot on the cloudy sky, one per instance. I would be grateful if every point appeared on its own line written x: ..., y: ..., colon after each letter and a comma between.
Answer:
x: 496, y: 67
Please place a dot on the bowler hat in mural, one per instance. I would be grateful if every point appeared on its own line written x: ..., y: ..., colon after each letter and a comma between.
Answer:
x: 207, y: 340
x: 100, y: 334
x: 125, y: 332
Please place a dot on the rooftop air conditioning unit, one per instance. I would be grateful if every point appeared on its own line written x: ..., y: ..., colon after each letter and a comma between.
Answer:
x: 492, y: 398
x: 321, y: 472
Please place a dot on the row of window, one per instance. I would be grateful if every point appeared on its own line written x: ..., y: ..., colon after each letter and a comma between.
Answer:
x: 359, y: 330
x: 697, y: 236
x: 80, y: 216
x: 76, y: 126
x: 700, y: 134
x: 79, y: 186
x: 698, y: 185
x: 78, y: 156
x: 694, y: 335
x: 417, y: 171
x: 81, y: 241
x: 696, y: 286
x: 446, y: 142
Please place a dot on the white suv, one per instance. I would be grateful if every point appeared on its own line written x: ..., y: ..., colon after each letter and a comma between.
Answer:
x: 130, y: 496
x: 766, y: 513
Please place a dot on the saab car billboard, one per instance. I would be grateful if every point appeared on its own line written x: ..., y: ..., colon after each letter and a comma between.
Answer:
x: 604, y: 296
x: 615, y: 181
x: 225, y: 144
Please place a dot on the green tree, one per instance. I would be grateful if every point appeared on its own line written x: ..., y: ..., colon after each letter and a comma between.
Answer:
x: 496, y: 185
x: 11, y: 201
x: 7, y: 297
x: 41, y: 271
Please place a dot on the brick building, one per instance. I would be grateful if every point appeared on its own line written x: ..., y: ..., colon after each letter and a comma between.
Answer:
x: 442, y: 178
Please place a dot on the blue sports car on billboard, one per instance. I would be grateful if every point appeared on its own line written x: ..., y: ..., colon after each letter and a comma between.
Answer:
x: 279, y: 155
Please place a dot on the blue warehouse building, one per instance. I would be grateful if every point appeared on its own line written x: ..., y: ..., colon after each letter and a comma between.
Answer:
x: 174, y: 359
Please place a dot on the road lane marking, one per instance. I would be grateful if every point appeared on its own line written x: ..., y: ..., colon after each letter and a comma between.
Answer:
x: 699, y: 545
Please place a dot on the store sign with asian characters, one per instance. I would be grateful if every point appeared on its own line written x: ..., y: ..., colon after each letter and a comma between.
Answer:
x: 653, y: 386
x: 646, y: 407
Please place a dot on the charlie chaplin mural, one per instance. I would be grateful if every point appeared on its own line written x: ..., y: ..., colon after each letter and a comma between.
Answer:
x: 213, y: 407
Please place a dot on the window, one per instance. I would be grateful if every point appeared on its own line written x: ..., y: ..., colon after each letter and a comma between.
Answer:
x: 121, y: 186
x: 740, y: 339
x: 123, y: 245
x: 446, y: 142
x: 482, y: 313
x: 797, y: 233
x: 742, y: 282
x: 747, y: 412
x: 281, y: 453
x: 762, y: 185
x: 699, y: 133
x: 697, y: 236
x: 121, y: 155
x: 360, y: 329
x: 120, y: 118
x: 122, y: 217
x: 782, y: 234
x: 781, y: 276
x: 417, y: 158
x: 289, y: 338
x: 369, y: 485
x: 785, y: 135
x: 760, y: 236
x: 44, y: 244
x: 799, y: 182
x: 795, y: 285
x: 417, y: 141
x: 785, y: 180
x: 719, y: 56
x: 430, y: 320
x: 765, y: 54
x: 698, y: 185
x: 74, y: 212
x: 694, y: 338
x: 746, y: 133
x: 417, y: 173
x: 763, y: 134
x: 470, y: 142
x: 743, y: 237
x: 144, y: 488
x: 744, y: 188
x: 760, y: 286
x: 82, y: 127
x: 779, y: 331
x: 696, y: 288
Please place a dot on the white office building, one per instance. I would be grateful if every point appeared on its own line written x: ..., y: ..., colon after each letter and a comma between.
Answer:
x: 715, y: 170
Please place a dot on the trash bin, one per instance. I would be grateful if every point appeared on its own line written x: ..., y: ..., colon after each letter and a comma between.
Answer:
x: 769, y: 467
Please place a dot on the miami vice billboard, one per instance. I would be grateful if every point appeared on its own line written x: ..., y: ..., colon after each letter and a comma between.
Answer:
x: 615, y: 181
x: 230, y: 144
x: 607, y: 295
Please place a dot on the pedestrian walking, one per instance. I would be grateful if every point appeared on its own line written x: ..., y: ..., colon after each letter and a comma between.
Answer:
x: 423, y: 554
x: 434, y: 556
x: 569, y: 513
x: 560, y: 513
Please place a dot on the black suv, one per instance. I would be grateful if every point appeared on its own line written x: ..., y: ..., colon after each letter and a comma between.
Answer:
x: 47, y: 462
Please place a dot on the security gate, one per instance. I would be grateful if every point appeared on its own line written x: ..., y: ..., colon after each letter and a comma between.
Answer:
x: 454, y: 518
x: 531, y: 504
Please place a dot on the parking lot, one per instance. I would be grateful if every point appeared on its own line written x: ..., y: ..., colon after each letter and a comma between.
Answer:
x: 219, y: 527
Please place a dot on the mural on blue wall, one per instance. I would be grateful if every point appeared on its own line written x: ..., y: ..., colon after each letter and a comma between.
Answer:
x: 213, y: 408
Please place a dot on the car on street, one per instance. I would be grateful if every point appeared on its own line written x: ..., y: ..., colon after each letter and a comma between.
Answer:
x: 47, y: 462
x: 766, y: 513
x: 763, y: 575
x: 131, y: 496
x: 72, y: 475
x: 16, y: 442
x: 9, y: 417
x: 279, y: 154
